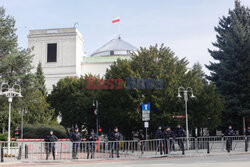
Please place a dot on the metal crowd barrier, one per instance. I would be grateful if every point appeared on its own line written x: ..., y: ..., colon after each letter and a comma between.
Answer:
x: 132, y: 149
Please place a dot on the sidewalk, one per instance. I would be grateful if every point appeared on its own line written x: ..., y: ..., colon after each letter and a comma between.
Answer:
x: 88, y: 161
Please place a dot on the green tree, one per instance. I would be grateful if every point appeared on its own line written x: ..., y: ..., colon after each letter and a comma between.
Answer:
x: 15, y: 67
x: 231, y: 72
x: 123, y: 106
x: 8, y: 37
x: 40, y: 80
x: 73, y: 102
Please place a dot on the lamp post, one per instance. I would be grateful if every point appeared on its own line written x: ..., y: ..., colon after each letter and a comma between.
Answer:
x: 22, y: 112
x: 185, y: 93
x: 95, y: 104
x: 10, y: 92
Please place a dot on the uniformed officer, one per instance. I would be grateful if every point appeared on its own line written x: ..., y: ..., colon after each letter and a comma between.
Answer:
x: 180, y: 133
x: 159, y: 136
x: 115, y: 136
x: 229, y: 133
x: 168, y: 135
x: 76, y: 138
x: 91, y: 138
x: 247, y: 133
x: 50, y: 144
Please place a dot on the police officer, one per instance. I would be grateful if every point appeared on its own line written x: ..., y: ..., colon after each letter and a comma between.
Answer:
x: 76, y: 138
x: 168, y: 135
x: 159, y: 136
x: 115, y: 136
x: 91, y: 138
x: 50, y: 144
x: 247, y: 133
x: 180, y: 133
x: 229, y: 133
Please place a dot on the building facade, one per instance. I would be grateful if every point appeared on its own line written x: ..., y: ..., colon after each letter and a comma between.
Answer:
x: 61, y: 54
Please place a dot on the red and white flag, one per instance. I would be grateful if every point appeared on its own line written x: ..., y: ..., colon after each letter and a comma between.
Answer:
x: 116, y: 20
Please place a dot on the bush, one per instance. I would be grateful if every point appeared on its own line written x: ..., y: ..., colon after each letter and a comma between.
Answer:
x: 4, y: 136
x: 39, y: 131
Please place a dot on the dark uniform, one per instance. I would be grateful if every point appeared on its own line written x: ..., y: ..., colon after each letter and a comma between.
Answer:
x: 114, y: 137
x: 50, y: 144
x: 168, y: 136
x: 91, y: 138
x: 180, y: 133
x: 76, y: 138
x: 159, y: 136
x: 229, y: 133
x: 140, y: 142
x: 247, y: 133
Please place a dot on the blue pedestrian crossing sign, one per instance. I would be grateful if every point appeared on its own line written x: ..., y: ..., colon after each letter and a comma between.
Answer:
x: 145, y: 106
x: 145, y: 111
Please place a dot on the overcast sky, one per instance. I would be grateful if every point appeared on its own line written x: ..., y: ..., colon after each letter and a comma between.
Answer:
x: 186, y: 26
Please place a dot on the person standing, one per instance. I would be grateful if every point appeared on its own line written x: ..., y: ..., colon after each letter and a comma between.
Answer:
x: 247, y: 133
x: 115, y: 137
x: 50, y: 144
x: 159, y: 137
x: 179, y: 134
x: 91, y: 138
x: 168, y: 135
x: 76, y: 138
x: 229, y: 133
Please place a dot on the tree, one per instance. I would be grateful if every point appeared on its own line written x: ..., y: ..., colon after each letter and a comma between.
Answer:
x: 40, y: 80
x: 15, y: 67
x: 8, y: 37
x: 231, y: 72
x: 73, y: 102
x: 123, y: 106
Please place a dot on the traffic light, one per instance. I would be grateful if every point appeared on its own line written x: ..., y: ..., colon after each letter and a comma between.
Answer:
x: 16, y: 133
x: 100, y: 131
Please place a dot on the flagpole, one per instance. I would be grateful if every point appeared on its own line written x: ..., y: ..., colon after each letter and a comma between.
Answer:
x: 119, y: 28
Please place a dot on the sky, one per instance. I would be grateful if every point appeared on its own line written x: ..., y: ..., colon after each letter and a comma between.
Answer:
x: 186, y: 26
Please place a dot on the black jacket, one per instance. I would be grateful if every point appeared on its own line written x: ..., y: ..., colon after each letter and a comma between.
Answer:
x: 91, y: 137
x: 168, y: 134
x: 247, y: 133
x: 179, y: 132
x: 50, y: 138
x: 75, y: 137
x: 115, y: 136
x: 229, y: 132
x: 158, y: 134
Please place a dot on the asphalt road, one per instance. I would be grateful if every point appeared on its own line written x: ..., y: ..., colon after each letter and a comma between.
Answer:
x: 242, y: 160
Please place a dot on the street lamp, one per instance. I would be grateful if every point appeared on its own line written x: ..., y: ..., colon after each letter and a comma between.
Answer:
x: 10, y: 92
x: 23, y: 111
x: 95, y: 104
x: 185, y: 93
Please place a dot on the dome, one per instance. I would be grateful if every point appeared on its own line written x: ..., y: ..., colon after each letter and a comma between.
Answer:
x: 116, y: 46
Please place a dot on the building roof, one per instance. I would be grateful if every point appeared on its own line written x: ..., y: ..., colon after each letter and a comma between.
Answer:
x: 116, y: 46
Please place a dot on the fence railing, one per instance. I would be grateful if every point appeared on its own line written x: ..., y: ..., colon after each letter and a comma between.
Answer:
x: 65, y: 150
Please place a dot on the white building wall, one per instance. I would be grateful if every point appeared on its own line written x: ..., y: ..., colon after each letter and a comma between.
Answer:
x: 69, y: 53
x: 95, y: 68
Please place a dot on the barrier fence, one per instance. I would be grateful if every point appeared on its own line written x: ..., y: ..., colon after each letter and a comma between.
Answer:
x: 66, y: 150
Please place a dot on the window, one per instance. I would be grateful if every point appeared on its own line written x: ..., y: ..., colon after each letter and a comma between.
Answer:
x: 51, y: 52
x: 111, y: 52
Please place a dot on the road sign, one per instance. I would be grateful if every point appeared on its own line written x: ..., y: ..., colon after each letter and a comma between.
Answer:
x: 145, y: 106
x: 146, y: 112
x: 179, y: 116
x: 146, y: 124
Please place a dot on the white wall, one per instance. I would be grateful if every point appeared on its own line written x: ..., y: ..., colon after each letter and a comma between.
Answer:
x: 95, y: 68
x: 69, y: 53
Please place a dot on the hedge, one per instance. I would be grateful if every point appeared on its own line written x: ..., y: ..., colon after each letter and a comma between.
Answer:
x: 39, y: 131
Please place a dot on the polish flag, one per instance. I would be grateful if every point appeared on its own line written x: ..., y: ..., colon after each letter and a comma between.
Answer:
x: 116, y: 20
